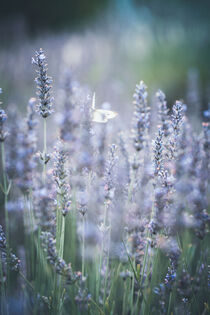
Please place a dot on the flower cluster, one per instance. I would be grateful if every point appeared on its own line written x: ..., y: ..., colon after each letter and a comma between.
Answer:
x: 7, y: 258
x: 44, y: 205
x: 163, y: 112
x: 43, y: 82
x: 109, y: 177
x: 69, y: 120
x: 60, y: 266
x: 3, y: 118
x: 158, y: 152
x: 27, y: 149
x: 141, y: 116
x: 82, y: 298
x: 60, y: 176
x: 177, y: 116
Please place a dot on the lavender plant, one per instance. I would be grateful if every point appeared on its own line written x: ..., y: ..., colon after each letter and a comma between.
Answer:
x: 106, y: 229
x: 44, y: 107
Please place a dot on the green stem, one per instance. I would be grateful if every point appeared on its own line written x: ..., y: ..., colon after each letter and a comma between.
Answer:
x: 96, y: 305
x: 3, y: 165
x: 169, y: 303
x: 83, y: 245
x: 3, y: 292
x: 145, y: 258
x: 45, y: 149
x: 107, y: 266
x: 61, y: 250
x: 114, y: 280
x: 60, y: 228
x: 131, y: 296
x: 101, y: 253
x: 60, y: 238
x: 124, y: 299
x: 5, y: 189
x: 131, y: 185
x: 26, y: 280
x: 30, y: 241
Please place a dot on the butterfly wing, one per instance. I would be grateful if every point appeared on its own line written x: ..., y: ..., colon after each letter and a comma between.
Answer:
x: 109, y: 114
x: 99, y: 117
x: 94, y: 101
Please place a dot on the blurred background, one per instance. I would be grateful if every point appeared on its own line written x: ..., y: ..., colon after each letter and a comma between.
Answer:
x: 109, y: 45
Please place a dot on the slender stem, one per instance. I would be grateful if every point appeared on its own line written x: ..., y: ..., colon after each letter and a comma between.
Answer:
x: 145, y: 258
x: 3, y: 165
x: 96, y: 305
x: 60, y: 228
x: 101, y: 253
x: 32, y: 238
x: 45, y: 149
x: 60, y: 238
x: 124, y: 299
x: 58, y: 217
x: 115, y: 278
x: 169, y: 303
x: 61, y: 250
x: 6, y: 219
x: 26, y: 280
x: 6, y: 192
x: 130, y: 190
x: 83, y: 245
x: 3, y: 291
x: 132, y: 294
x: 107, y: 266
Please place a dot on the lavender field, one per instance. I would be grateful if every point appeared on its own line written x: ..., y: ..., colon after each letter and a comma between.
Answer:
x: 104, y: 181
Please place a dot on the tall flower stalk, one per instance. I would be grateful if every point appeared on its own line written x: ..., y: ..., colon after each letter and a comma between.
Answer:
x: 83, y: 208
x: 176, y: 122
x: 44, y: 107
x: 140, y: 129
x: 105, y: 227
x: 63, y: 195
x: 6, y: 185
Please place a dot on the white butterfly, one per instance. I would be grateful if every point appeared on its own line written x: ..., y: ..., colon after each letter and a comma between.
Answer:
x: 101, y: 115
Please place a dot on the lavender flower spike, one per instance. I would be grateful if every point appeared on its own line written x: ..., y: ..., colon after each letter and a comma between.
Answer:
x: 163, y: 112
x: 60, y: 174
x: 141, y: 116
x: 11, y: 259
x: 43, y: 82
x: 177, y: 117
x: 60, y: 266
x: 176, y: 122
x: 3, y: 118
x: 158, y: 154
